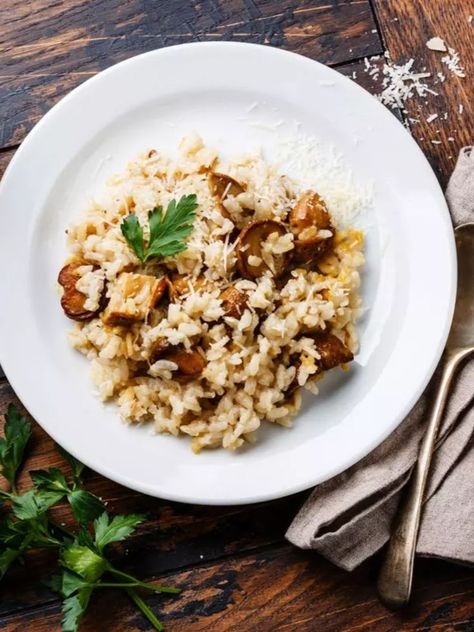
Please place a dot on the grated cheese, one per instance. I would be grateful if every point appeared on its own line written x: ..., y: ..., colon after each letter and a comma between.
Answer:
x: 436, y: 43
x: 319, y: 167
x: 452, y: 61
x: 401, y: 83
x: 431, y: 118
x: 461, y: 108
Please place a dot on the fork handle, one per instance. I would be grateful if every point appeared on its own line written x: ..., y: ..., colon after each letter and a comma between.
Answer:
x: 395, y: 578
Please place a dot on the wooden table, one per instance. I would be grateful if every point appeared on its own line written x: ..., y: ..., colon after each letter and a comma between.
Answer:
x: 237, y: 571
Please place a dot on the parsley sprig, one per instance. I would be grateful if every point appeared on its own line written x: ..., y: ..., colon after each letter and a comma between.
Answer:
x: 82, y: 554
x: 168, y: 230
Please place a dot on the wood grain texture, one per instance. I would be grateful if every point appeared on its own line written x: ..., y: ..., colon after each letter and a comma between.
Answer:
x: 407, y: 25
x: 48, y: 48
x: 305, y: 594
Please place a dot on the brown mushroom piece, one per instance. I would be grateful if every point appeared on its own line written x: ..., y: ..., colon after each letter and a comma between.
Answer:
x: 250, y: 243
x: 180, y: 284
x: 306, y: 218
x: 222, y: 185
x: 332, y: 350
x: 233, y: 302
x: 190, y: 363
x: 160, y: 291
x: 72, y: 301
x: 157, y: 349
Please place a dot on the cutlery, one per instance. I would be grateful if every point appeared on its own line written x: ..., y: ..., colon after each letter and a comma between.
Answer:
x: 395, y: 578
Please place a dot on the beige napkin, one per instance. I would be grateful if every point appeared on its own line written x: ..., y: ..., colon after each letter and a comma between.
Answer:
x: 348, y: 518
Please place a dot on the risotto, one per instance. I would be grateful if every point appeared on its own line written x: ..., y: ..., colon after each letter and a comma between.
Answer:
x: 211, y: 326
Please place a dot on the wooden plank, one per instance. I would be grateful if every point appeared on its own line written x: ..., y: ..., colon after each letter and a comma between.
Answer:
x: 422, y: 21
x: 48, y: 48
x: 280, y: 589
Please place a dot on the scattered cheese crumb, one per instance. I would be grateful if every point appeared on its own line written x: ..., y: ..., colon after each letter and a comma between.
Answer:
x: 461, y: 108
x: 453, y: 63
x: 450, y: 139
x: 431, y: 118
x: 400, y: 83
x: 441, y: 76
x: 436, y: 43
x: 436, y: 142
x: 470, y: 19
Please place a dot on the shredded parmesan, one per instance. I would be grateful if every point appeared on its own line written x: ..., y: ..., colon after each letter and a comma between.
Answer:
x: 452, y: 61
x: 401, y: 83
x: 431, y: 118
x: 319, y: 167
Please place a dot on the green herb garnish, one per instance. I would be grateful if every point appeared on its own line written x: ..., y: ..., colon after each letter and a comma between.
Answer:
x: 168, y: 231
x: 84, y: 564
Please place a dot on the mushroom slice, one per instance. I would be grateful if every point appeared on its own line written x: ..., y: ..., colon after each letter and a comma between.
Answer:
x: 160, y: 291
x: 309, y: 251
x: 157, y: 349
x: 233, y: 302
x: 190, y: 363
x: 333, y: 352
x: 249, y: 249
x: 310, y: 210
x: 222, y: 185
x: 72, y: 301
x: 306, y: 219
x: 180, y: 284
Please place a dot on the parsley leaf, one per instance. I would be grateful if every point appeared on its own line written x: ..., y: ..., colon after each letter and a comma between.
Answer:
x: 73, y: 609
x: 17, y: 433
x: 7, y: 557
x: 115, y: 530
x: 168, y: 231
x: 83, y: 561
x: 76, y: 466
x: 85, y: 506
x: 133, y: 233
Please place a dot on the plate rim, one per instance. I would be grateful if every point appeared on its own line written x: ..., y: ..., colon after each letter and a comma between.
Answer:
x: 377, y: 439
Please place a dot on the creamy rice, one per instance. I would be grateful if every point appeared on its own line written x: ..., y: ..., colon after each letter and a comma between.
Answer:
x: 253, y: 364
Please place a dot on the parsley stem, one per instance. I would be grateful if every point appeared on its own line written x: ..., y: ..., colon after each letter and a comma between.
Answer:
x: 145, y: 610
x: 148, y: 585
x: 115, y: 585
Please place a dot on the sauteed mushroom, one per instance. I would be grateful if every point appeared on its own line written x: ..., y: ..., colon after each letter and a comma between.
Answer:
x: 72, y: 301
x: 307, y: 218
x: 249, y: 249
x: 233, y: 302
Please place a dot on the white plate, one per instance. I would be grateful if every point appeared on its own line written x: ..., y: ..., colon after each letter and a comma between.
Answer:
x: 152, y: 100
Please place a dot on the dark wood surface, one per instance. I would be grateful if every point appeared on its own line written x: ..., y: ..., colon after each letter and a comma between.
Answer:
x: 236, y: 569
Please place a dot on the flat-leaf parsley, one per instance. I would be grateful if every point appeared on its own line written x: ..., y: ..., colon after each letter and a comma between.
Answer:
x: 84, y: 565
x: 168, y: 231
